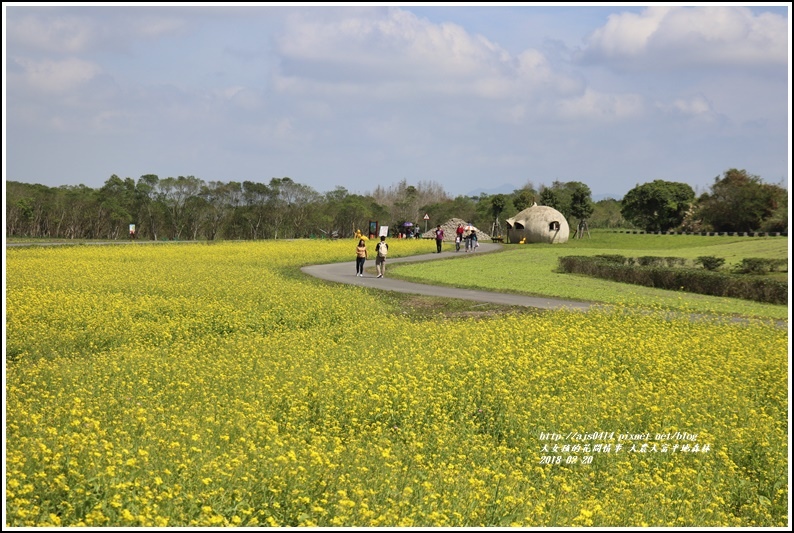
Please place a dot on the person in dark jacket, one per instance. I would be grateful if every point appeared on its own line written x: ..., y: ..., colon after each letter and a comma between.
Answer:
x: 439, y: 237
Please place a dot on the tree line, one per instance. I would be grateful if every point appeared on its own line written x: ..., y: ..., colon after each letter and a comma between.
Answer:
x: 737, y: 201
x: 188, y: 208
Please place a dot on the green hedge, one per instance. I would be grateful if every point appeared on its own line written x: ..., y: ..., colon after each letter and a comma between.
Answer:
x: 699, y: 281
x: 709, y: 262
x: 759, y: 265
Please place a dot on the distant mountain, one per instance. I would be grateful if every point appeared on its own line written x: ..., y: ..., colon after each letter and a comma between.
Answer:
x: 508, y: 188
x: 505, y: 188
x: 597, y: 197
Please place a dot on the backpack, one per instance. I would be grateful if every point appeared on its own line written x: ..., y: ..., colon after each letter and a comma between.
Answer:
x: 383, y: 249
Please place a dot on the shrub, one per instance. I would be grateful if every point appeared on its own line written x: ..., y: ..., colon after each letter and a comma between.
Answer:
x: 613, y: 258
x: 691, y: 280
x: 675, y: 261
x: 649, y: 260
x: 759, y: 265
x: 752, y: 265
x: 776, y: 264
x: 709, y: 262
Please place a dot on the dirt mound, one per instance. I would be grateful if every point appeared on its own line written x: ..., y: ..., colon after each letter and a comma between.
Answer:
x: 449, y: 228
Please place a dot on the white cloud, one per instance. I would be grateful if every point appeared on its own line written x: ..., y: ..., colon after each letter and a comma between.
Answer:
x: 241, y: 97
x: 625, y: 35
x: 690, y: 37
x: 54, y: 76
x: 54, y: 31
x: 692, y: 106
x: 365, y: 95
x: 60, y: 34
x: 285, y: 130
x: 695, y: 111
x: 535, y: 72
x: 593, y: 105
x: 112, y: 121
x: 393, y: 48
x: 398, y: 43
x: 393, y: 56
x: 154, y: 26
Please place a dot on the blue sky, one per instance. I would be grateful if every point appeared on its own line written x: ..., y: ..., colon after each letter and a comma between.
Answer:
x: 470, y: 97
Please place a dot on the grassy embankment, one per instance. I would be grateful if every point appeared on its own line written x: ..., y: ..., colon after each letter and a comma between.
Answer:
x: 532, y: 269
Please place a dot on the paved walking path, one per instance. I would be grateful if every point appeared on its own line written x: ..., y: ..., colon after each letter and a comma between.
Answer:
x: 346, y: 273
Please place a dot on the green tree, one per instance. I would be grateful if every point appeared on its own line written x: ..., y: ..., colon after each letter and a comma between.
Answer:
x: 465, y: 208
x: 293, y: 206
x: 197, y: 215
x: 256, y: 200
x: 116, y: 200
x: 739, y: 202
x: 408, y: 202
x: 354, y: 213
x: 440, y: 212
x: 550, y: 197
x: 30, y: 209
x: 150, y: 207
x: 498, y: 204
x: 581, y: 201
x: 176, y: 193
x: 221, y: 201
x: 78, y: 203
x: 523, y: 198
x: 571, y: 198
x: 581, y: 204
x: 483, y: 212
x: 606, y: 214
x: 778, y: 218
x: 657, y: 206
x: 19, y: 208
x: 405, y: 205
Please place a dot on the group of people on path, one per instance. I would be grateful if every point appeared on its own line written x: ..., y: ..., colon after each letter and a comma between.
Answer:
x: 382, y: 248
x: 381, y: 251
x: 469, y: 240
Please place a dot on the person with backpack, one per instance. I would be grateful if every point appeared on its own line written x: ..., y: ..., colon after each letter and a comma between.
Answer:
x: 361, y: 257
x: 382, y: 250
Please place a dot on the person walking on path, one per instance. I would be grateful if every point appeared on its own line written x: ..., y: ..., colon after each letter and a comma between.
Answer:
x: 361, y: 257
x: 459, y: 232
x: 474, y: 243
x: 382, y: 250
x: 457, y: 243
x: 439, y: 238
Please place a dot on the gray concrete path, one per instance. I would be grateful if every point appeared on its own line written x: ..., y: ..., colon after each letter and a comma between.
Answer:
x: 346, y: 273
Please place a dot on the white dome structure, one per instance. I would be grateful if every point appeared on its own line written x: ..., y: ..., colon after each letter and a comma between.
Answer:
x: 538, y: 223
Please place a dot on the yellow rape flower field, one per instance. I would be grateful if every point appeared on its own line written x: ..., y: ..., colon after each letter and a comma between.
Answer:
x: 215, y: 385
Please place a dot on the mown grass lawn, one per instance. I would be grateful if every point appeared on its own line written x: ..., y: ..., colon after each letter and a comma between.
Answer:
x: 532, y: 269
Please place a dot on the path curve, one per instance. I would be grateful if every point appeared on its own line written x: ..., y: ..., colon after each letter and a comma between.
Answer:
x: 345, y: 273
